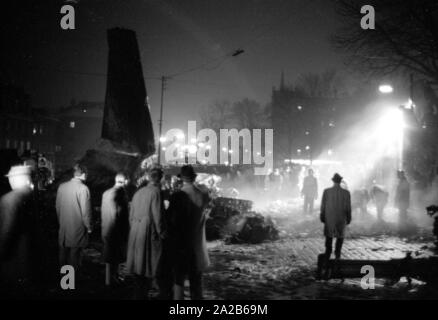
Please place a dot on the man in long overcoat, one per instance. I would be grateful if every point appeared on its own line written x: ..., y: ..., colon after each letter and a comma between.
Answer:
x: 147, y: 233
x: 309, y: 191
x: 336, y: 215
x: 187, y: 218
x: 115, y: 227
x: 73, y: 207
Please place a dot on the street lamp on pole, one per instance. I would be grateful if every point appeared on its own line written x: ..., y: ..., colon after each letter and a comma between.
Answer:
x: 164, y: 80
x: 386, y: 89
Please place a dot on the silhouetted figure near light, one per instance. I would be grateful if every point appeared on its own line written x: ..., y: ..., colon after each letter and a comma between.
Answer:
x: 336, y: 215
x: 380, y: 198
x: 17, y: 228
x: 73, y: 207
x: 187, y: 218
x: 402, y: 198
x: 147, y: 233
x: 309, y: 192
x: 360, y: 199
x: 115, y: 227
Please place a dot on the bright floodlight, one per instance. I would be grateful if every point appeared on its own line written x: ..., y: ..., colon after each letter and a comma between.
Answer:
x: 386, y: 88
x: 390, y: 132
x: 180, y: 136
x: 192, y: 149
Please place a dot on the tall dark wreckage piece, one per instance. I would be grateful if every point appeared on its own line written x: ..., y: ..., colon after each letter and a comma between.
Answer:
x: 127, y: 133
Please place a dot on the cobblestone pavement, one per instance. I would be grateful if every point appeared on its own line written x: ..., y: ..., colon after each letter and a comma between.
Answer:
x: 285, y: 270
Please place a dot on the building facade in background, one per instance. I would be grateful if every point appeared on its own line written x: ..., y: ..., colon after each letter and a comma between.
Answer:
x: 306, y: 127
x: 79, y: 129
x: 23, y: 127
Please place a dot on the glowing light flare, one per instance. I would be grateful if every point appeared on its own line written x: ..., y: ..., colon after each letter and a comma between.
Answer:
x: 386, y: 89
x: 180, y: 136
x: 192, y: 149
x: 390, y: 133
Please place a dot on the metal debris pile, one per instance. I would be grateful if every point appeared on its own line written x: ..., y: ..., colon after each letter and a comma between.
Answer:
x: 234, y: 221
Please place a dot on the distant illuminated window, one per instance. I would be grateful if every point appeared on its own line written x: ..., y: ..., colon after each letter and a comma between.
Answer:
x: 331, y: 124
x: 34, y: 131
x: 84, y: 110
x: 300, y: 108
x: 72, y: 124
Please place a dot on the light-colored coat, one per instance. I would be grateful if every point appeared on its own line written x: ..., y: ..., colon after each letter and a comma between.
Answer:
x: 335, y: 211
x: 147, y: 232
x: 73, y: 207
x: 115, y: 225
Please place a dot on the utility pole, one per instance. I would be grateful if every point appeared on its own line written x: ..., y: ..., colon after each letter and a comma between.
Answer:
x: 163, y: 88
x: 160, y: 122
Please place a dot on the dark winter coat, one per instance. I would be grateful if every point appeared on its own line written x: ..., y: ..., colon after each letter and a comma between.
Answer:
x: 335, y: 211
x: 115, y: 225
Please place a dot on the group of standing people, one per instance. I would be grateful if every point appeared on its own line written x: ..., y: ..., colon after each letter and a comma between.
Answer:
x: 158, y: 244
x: 162, y: 244
x: 361, y: 197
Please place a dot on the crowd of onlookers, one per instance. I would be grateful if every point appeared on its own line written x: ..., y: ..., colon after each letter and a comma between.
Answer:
x: 159, y: 234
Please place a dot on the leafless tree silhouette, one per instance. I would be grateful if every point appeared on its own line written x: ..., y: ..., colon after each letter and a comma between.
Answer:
x: 405, y: 38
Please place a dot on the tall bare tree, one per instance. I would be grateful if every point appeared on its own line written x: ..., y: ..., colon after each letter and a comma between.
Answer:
x: 327, y: 84
x: 249, y: 114
x: 217, y: 115
x: 405, y: 37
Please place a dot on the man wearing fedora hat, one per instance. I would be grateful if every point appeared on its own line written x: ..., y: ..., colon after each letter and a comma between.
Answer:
x: 336, y: 215
x: 187, y: 217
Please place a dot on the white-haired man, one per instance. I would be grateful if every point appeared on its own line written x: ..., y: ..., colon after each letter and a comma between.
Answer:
x: 17, y: 227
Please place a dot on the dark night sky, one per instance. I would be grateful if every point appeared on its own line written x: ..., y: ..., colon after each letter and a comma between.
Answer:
x: 55, y: 65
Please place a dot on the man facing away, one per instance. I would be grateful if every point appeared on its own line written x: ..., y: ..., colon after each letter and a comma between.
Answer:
x: 115, y: 227
x: 187, y: 217
x: 309, y: 192
x: 146, y: 236
x: 336, y: 215
x: 73, y: 208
